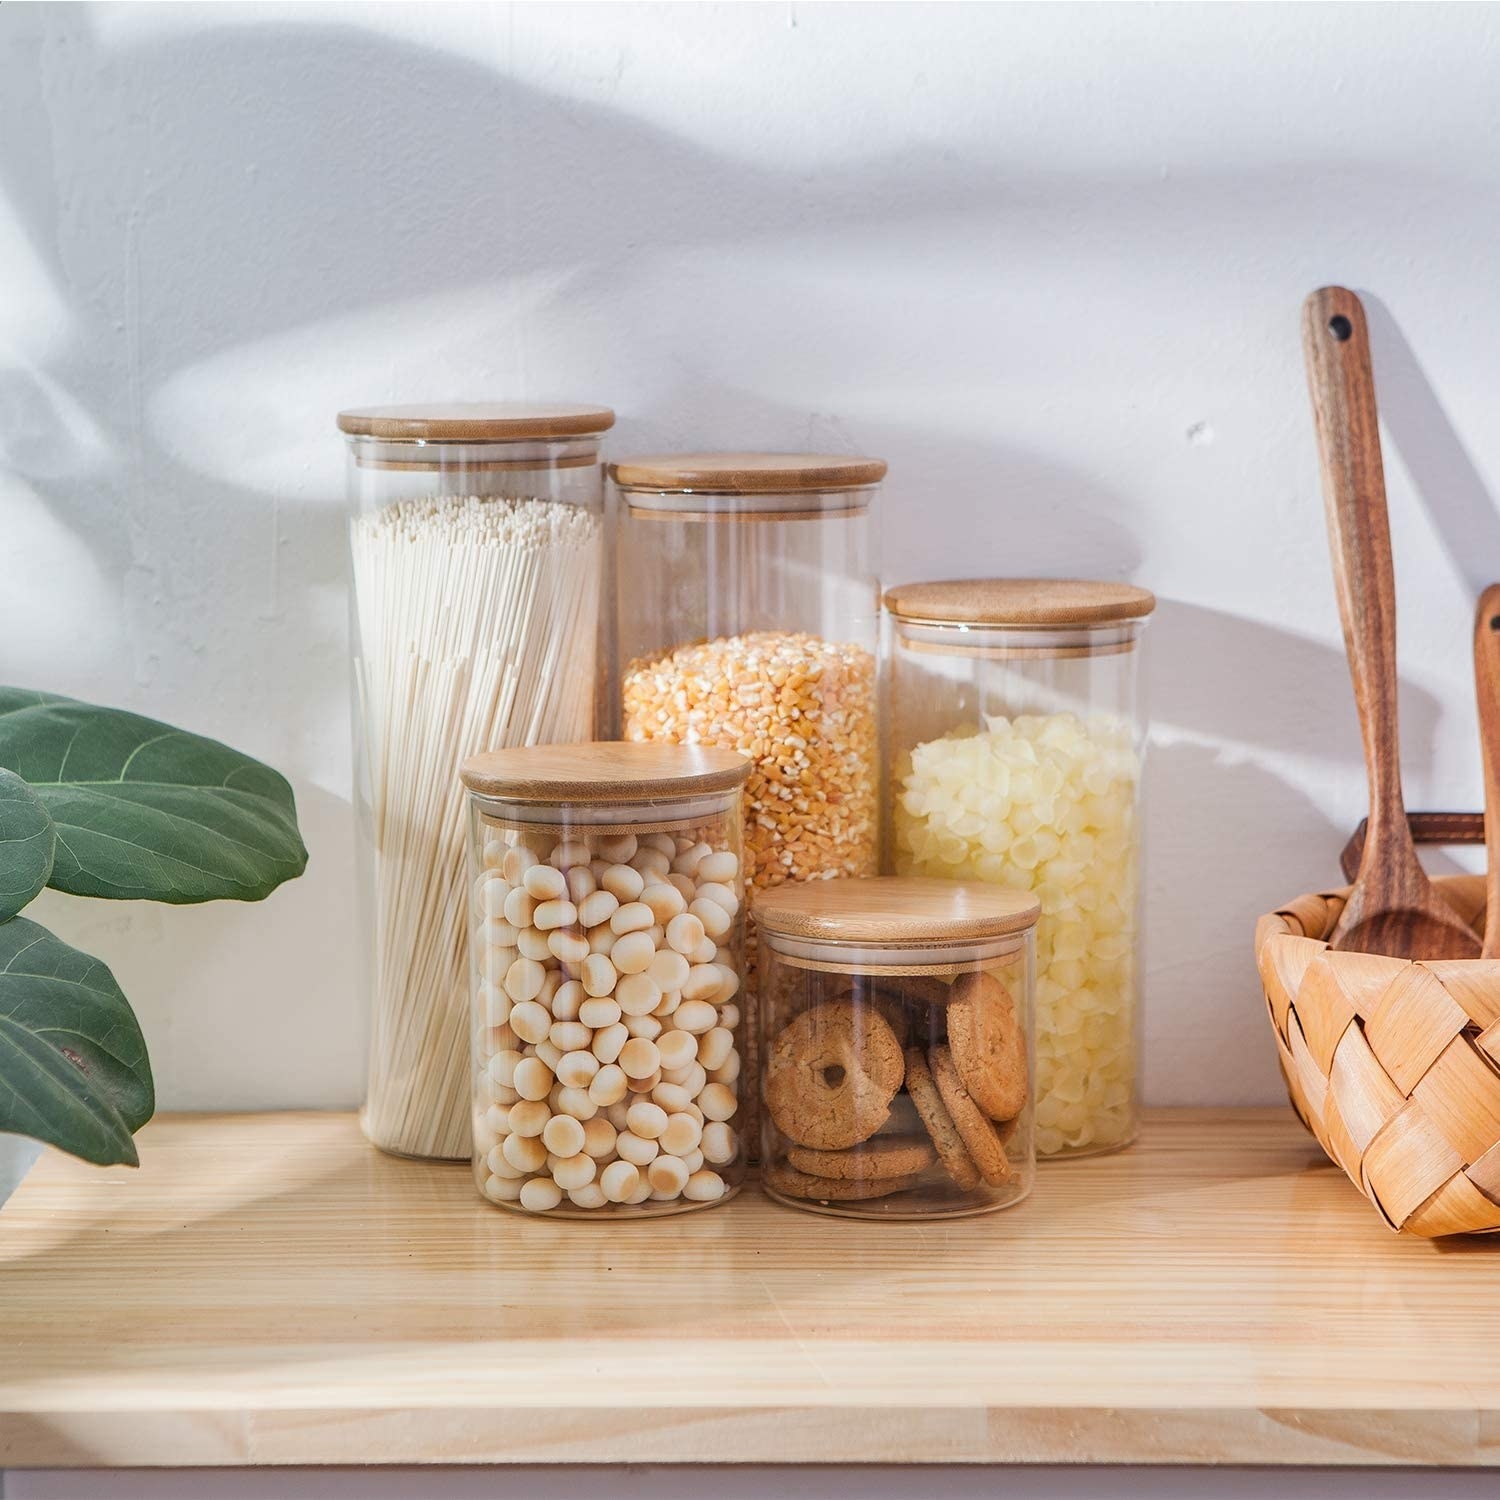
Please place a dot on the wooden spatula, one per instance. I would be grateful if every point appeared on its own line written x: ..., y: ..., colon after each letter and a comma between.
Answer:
x: 1487, y: 690
x: 1393, y: 907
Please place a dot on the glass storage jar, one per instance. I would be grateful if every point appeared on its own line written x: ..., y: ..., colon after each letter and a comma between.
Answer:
x: 749, y: 616
x: 606, y: 921
x: 896, y: 1037
x: 1017, y: 735
x: 477, y: 545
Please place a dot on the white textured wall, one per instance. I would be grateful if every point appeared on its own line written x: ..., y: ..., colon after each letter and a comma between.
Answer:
x: 1047, y: 261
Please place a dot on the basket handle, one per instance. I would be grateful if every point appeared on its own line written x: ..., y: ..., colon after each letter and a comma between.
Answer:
x: 1426, y: 828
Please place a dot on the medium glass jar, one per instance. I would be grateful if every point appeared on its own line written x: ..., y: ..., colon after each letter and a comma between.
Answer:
x: 606, y: 938
x: 749, y: 616
x: 477, y: 545
x: 1017, y: 735
x: 896, y: 1037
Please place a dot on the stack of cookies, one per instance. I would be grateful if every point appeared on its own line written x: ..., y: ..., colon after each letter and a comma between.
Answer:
x: 895, y: 1085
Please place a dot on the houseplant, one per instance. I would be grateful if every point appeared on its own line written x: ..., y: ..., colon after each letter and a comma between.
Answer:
x: 98, y: 802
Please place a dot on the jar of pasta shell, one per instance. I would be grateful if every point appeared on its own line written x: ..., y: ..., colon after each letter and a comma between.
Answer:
x: 606, y: 922
x: 895, y: 1027
x: 1017, y: 735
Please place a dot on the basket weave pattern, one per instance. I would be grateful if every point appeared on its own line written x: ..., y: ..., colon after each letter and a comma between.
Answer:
x: 1393, y: 1065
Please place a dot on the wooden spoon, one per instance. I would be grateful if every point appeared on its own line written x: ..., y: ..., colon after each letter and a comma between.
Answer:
x: 1487, y: 689
x: 1392, y: 907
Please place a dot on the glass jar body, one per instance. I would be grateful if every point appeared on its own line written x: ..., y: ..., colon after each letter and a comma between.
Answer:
x: 751, y: 622
x: 1016, y: 759
x: 477, y: 573
x: 607, y: 1031
x: 897, y: 1082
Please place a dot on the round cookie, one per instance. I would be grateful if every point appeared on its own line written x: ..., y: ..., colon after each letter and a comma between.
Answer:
x: 832, y: 1074
x: 791, y: 1183
x: 884, y: 1156
x: 989, y: 1047
x: 869, y: 998
x: 980, y: 1137
x: 950, y: 1146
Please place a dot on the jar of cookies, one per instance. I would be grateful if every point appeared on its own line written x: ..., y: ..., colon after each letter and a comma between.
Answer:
x: 1017, y: 735
x: 895, y: 1024
x: 606, y: 922
x: 748, y: 617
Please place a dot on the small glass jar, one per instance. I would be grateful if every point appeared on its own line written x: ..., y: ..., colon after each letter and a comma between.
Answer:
x: 606, y: 940
x: 748, y: 617
x: 896, y: 1036
x: 477, y: 546
x: 1017, y: 736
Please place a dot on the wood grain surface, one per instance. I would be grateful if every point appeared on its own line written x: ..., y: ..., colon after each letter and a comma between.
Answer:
x: 1029, y: 602
x: 603, y: 771
x: 1392, y: 909
x: 268, y: 1289
x: 747, y: 473
x: 889, y: 910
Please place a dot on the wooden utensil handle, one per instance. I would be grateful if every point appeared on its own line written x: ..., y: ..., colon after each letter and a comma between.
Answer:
x: 1487, y: 692
x: 1337, y: 349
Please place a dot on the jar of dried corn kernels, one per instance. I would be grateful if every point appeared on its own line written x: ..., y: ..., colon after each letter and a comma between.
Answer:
x: 748, y: 618
x: 1017, y: 731
x: 606, y: 923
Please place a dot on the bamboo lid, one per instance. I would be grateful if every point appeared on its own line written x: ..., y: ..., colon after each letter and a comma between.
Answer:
x: 895, y: 910
x: 603, y: 772
x: 747, y: 473
x: 1019, y: 601
x: 474, y: 422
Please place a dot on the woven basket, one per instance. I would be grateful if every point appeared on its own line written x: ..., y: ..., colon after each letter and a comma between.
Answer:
x: 1393, y: 1065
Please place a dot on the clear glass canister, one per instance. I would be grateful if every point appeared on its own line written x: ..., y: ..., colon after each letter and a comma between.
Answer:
x: 748, y: 617
x: 606, y: 922
x: 895, y: 1019
x: 477, y: 548
x: 1017, y: 733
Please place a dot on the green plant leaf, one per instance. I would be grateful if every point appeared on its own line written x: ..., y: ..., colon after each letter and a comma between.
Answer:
x: 27, y: 842
x: 73, y: 1068
x: 147, y: 812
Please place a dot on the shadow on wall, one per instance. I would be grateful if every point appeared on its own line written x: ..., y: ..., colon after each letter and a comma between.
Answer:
x: 1462, y: 510
x: 133, y: 168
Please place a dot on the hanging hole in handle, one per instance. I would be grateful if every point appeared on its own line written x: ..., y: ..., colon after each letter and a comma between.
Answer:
x: 1495, y: 622
x: 1341, y: 328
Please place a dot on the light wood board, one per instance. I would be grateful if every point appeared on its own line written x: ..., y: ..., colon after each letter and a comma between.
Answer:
x: 268, y: 1289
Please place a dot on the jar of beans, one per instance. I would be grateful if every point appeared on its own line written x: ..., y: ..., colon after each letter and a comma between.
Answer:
x: 1017, y: 734
x: 896, y: 1043
x: 748, y: 618
x: 606, y: 945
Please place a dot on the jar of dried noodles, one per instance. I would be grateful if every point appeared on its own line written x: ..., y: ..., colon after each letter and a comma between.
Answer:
x: 607, y: 920
x: 477, y: 542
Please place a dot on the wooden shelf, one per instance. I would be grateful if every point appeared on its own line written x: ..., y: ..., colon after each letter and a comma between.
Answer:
x: 267, y: 1289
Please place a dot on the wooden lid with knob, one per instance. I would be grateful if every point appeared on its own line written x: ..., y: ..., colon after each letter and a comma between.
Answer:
x: 475, y: 422
x: 603, y: 772
x: 895, y: 910
x: 1021, y: 602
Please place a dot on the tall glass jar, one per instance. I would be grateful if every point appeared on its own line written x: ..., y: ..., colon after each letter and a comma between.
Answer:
x: 896, y: 1020
x: 1017, y: 735
x: 749, y: 616
x: 477, y: 546
x: 606, y: 920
